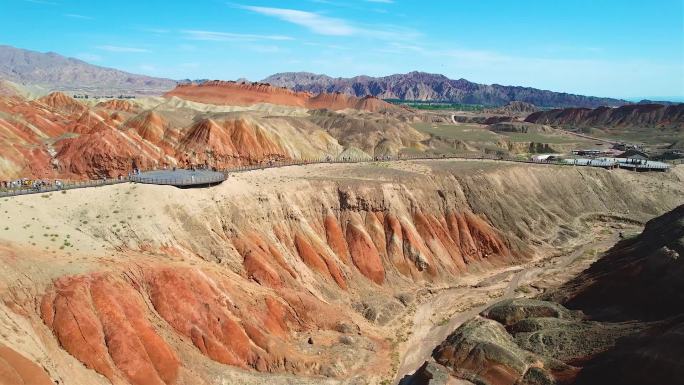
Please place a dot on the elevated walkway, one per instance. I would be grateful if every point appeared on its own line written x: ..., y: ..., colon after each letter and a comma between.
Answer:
x: 180, y: 178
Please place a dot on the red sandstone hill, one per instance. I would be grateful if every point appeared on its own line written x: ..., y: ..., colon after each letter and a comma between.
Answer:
x: 60, y: 137
x: 149, y: 125
x: 62, y: 102
x: 636, y: 115
x: 247, y: 94
x: 118, y: 105
x: 238, y: 94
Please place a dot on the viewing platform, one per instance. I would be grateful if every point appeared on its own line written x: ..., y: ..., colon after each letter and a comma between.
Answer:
x: 180, y: 178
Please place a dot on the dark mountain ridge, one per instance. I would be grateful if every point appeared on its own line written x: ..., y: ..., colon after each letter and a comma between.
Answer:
x: 435, y: 87
x: 636, y: 115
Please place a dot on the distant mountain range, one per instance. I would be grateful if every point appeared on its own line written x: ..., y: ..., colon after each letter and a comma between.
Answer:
x: 425, y: 86
x: 56, y: 72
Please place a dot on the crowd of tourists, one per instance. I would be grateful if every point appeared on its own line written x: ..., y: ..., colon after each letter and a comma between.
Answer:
x: 30, y: 184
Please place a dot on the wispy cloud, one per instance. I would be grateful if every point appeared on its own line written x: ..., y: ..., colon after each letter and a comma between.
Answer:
x: 118, y: 48
x: 229, y: 36
x: 331, y: 26
x: 77, y: 16
x: 381, y: 1
x: 313, y: 21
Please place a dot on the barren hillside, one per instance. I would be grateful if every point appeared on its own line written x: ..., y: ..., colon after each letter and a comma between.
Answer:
x: 425, y: 86
x: 55, y: 72
x: 57, y: 136
x: 314, y: 271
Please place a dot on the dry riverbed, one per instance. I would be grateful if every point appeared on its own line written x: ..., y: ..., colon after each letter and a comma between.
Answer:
x: 442, y: 311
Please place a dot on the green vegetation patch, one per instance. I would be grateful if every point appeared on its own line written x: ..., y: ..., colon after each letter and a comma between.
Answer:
x: 436, y: 105
x: 465, y: 132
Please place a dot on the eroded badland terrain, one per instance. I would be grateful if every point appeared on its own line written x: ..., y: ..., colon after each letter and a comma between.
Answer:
x: 414, y: 271
x: 304, y: 274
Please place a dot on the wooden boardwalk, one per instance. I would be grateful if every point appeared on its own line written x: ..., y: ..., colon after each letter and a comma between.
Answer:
x: 203, y: 178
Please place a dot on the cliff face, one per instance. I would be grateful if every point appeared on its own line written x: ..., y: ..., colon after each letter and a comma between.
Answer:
x: 425, y: 86
x: 284, y: 271
x: 640, y: 115
x: 247, y: 94
x: 619, y: 322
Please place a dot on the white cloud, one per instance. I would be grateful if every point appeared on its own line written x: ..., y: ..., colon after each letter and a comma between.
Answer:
x: 229, y: 36
x: 324, y: 25
x: 381, y: 1
x: 313, y: 21
x: 77, y: 16
x: 117, y: 48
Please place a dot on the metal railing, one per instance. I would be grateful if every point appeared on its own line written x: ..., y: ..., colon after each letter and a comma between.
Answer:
x: 180, y: 181
x: 70, y: 185
x: 305, y: 161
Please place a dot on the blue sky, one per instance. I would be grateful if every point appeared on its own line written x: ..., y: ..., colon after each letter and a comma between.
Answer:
x: 620, y: 48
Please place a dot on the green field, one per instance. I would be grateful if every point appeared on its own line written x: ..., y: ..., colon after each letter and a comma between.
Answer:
x: 543, y: 138
x: 437, y: 106
x: 649, y: 136
x: 465, y: 132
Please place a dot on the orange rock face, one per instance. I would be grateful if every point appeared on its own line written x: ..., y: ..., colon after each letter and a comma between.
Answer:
x: 194, y: 307
x: 247, y: 94
x: 234, y: 141
x: 318, y: 260
x: 149, y: 125
x: 259, y: 263
x: 62, y: 102
x: 364, y: 254
x: 395, y: 242
x: 339, y: 101
x: 16, y: 369
x: 239, y: 94
x: 101, y: 321
x: 336, y: 241
x: 118, y: 105
x: 114, y: 137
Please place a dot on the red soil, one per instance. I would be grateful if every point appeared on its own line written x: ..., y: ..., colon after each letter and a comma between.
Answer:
x: 101, y: 321
x: 149, y: 125
x: 364, y: 254
x: 318, y: 259
x: 16, y: 369
x: 234, y: 141
x: 62, y: 102
x: 118, y: 105
x: 239, y: 94
x: 333, y: 234
x: 247, y: 94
